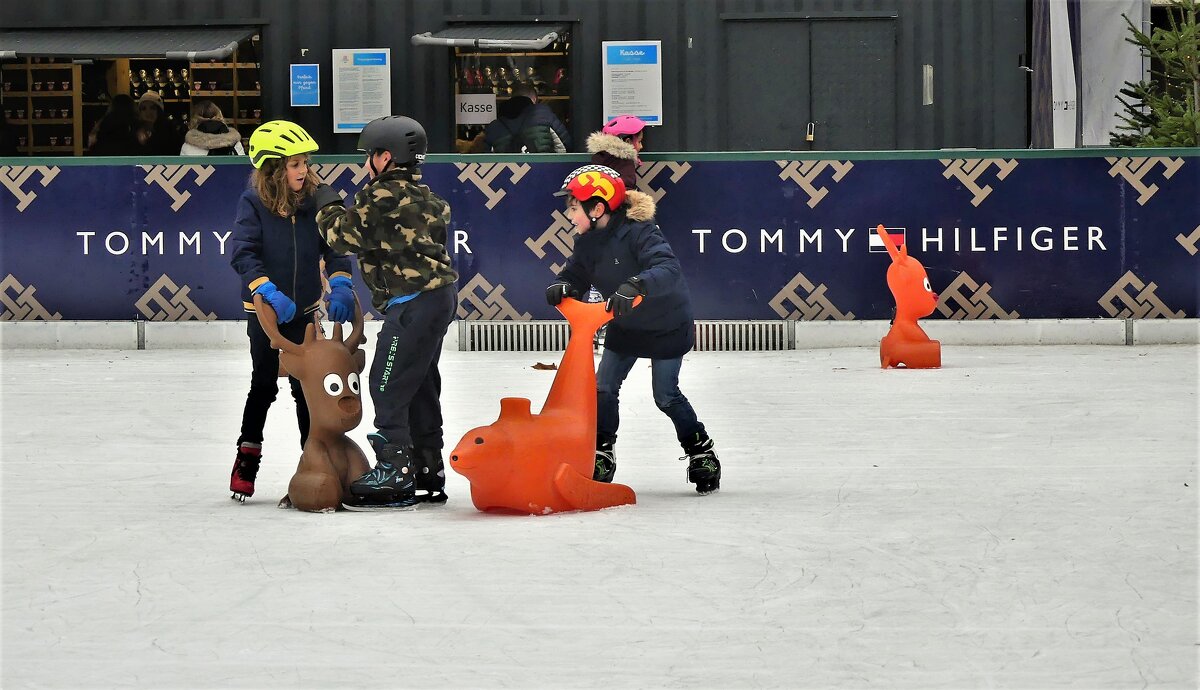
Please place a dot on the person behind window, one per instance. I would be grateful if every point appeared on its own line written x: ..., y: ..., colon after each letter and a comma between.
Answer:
x: 164, y: 139
x: 525, y: 126
x: 617, y: 146
x: 116, y: 134
x: 209, y: 135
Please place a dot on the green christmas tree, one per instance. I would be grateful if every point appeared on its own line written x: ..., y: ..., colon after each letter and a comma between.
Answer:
x: 1164, y: 110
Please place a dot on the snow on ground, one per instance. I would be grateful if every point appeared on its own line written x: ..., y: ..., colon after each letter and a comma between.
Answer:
x: 1025, y: 517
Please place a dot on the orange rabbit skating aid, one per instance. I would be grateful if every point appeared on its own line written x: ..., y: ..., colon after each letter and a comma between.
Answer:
x: 540, y: 464
x: 906, y: 343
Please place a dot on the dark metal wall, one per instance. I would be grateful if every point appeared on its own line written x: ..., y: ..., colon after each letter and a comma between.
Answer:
x: 980, y: 92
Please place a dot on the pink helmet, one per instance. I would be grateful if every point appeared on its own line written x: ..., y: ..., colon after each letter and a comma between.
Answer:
x: 624, y: 126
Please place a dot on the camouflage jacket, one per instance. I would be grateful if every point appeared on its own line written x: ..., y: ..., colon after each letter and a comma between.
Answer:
x: 397, y: 227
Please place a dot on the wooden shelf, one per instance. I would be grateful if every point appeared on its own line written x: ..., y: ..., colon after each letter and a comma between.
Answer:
x: 51, y: 94
x: 223, y: 65
x: 55, y: 121
x: 252, y: 92
x: 535, y: 54
x: 50, y: 65
x: 46, y: 149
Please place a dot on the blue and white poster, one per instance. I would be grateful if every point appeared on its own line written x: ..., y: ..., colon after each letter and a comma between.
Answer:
x: 632, y: 83
x: 362, y: 87
x: 306, y: 86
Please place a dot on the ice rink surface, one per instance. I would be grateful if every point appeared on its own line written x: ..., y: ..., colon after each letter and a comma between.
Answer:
x: 1025, y: 517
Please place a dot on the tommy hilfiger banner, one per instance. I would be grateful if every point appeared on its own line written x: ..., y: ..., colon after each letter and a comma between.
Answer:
x: 1101, y: 235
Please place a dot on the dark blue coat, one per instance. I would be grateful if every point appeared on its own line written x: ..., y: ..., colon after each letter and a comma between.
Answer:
x: 286, y: 251
x: 662, y: 326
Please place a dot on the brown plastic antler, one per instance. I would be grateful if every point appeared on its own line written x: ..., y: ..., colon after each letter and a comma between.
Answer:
x: 328, y: 370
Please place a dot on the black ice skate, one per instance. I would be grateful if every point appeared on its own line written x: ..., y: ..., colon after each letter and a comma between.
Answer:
x: 704, y: 470
x: 390, y: 485
x: 431, y: 476
x: 245, y: 470
x: 606, y: 462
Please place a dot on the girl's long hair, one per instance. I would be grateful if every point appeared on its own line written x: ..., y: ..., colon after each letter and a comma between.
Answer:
x: 270, y: 183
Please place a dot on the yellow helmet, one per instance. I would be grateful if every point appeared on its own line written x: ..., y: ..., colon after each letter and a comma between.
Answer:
x: 279, y: 139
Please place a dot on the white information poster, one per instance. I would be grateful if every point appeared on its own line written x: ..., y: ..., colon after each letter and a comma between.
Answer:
x: 633, y: 79
x: 362, y: 87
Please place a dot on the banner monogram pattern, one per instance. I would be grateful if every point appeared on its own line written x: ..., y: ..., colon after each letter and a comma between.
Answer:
x: 648, y: 171
x: 969, y: 170
x: 169, y: 176
x: 480, y: 300
x: 15, y: 176
x: 560, y: 235
x: 1134, y: 170
x: 974, y: 300
x: 20, y: 304
x: 330, y: 172
x: 1141, y: 303
x: 816, y: 307
x: 483, y: 176
x: 1190, y: 242
x: 172, y: 302
x: 805, y: 174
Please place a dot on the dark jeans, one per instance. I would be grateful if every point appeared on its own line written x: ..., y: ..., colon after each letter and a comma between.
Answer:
x: 263, y: 380
x: 406, y: 386
x: 664, y: 377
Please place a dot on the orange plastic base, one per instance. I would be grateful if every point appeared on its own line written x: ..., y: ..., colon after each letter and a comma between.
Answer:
x: 541, y: 464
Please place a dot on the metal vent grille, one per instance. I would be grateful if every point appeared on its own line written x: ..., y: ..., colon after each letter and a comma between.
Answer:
x: 726, y: 336
x: 513, y: 336
x: 544, y: 336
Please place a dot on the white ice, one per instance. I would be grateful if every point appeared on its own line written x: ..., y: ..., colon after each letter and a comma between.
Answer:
x: 1025, y: 517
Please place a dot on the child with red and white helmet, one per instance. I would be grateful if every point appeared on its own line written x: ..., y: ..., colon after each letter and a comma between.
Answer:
x: 617, y: 146
x: 622, y: 252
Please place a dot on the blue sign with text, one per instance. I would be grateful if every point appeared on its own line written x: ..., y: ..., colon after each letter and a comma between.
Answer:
x: 306, y: 85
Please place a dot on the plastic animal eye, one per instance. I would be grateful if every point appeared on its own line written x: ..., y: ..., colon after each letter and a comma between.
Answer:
x: 479, y: 440
x: 352, y: 382
x: 333, y: 384
x: 927, y: 287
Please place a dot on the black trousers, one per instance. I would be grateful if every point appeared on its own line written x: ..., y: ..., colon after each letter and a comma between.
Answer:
x: 406, y: 386
x: 263, y: 381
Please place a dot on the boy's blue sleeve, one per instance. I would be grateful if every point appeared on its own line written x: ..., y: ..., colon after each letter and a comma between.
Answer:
x: 247, y: 245
x: 575, y: 274
x: 660, y: 269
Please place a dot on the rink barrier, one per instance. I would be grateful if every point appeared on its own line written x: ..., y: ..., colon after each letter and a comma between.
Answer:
x: 471, y: 337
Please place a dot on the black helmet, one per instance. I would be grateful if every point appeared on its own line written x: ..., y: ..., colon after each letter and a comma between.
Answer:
x: 403, y: 136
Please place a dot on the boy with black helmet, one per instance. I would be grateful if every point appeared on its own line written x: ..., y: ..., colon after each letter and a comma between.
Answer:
x: 397, y: 227
x: 621, y: 251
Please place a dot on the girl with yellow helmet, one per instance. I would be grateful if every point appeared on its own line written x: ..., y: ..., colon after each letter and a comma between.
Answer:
x: 277, y: 252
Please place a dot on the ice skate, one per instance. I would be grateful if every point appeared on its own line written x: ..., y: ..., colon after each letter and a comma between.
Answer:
x: 245, y: 470
x: 390, y: 485
x: 431, y: 476
x: 606, y: 462
x: 704, y: 469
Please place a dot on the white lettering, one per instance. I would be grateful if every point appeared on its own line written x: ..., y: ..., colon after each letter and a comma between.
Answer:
x: 1020, y: 239
x: 813, y: 237
x: 87, y: 236
x: 999, y: 235
x: 845, y: 238
x: 221, y: 239
x: 701, y: 232
x: 194, y: 238
x: 108, y: 242
x: 927, y: 239
x: 956, y: 237
x: 725, y: 240
x: 974, y: 246
x: 460, y: 241
x: 1070, y: 241
x: 1094, y: 235
x: 1041, y: 246
x: 764, y: 238
x: 149, y: 240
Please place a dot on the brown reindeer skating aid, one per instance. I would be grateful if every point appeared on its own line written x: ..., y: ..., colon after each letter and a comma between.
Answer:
x: 328, y: 370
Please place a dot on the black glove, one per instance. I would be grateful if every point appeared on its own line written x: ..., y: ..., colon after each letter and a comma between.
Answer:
x: 326, y: 196
x: 558, y: 291
x: 620, y: 302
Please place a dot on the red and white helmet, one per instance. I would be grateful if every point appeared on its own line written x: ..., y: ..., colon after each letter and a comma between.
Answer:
x: 595, y: 182
x: 624, y: 126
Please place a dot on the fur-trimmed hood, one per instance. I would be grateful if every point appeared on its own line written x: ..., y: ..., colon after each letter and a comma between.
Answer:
x: 639, y: 206
x: 599, y: 142
x: 211, y: 140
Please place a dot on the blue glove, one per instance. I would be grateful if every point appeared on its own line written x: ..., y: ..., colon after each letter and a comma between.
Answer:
x: 283, y: 305
x: 341, y: 299
x: 620, y: 302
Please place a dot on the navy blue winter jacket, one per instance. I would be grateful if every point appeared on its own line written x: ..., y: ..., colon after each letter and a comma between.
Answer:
x: 662, y: 326
x: 285, y: 251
